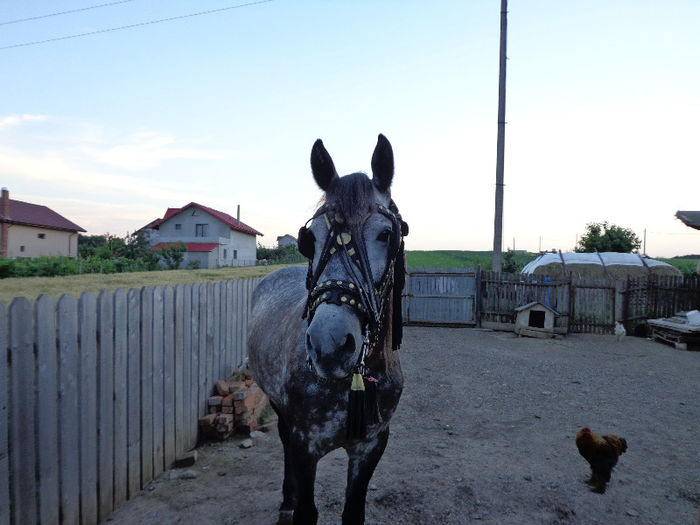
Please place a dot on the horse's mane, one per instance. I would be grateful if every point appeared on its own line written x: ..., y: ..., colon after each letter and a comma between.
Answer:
x: 353, y: 195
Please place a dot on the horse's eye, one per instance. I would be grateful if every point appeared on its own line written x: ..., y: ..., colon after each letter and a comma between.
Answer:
x: 384, y: 236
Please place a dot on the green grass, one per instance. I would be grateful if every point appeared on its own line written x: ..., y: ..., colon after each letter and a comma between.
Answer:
x: 32, y: 287
x: 445, y: 259
x: 686, y: 266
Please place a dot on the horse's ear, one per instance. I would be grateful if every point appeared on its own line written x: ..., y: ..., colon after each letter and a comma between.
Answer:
x: 322, y: 166
x: 382, y: 164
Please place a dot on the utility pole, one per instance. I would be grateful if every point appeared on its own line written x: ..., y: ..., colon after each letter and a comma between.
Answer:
x: 500, y: 144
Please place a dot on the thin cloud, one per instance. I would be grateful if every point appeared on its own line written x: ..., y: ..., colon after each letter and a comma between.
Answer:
x: 142, y: 151
x: 9, y: 121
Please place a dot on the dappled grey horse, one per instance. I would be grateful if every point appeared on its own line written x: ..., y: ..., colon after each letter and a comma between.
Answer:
x: 323, y: 341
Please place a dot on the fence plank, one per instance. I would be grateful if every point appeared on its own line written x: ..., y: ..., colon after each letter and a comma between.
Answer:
x: 21, y: 415
x: 194, y: 374
x: 146, y: 386
x: 211, y: 350
x: 88, y: 407
x: 190, y: 418
x: 47, y: 410
x: 202, y: 351
x: 239, y: 323
x: 228, y: 330
x: 105, y: 394
x: 120, y: 381
x: 69, y: 415
x: 133, y: 400
x: 4, y: 423
x: 157, y: 386
x: 216, y: 335
x: 179, y: 382
x: 168, y: 377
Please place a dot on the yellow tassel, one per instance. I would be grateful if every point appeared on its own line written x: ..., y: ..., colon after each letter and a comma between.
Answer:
x: 357, y: 382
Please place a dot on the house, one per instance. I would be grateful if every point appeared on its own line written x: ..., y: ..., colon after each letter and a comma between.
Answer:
x: 212, y: 237
x: 286, y: 240
x: 33, y: 230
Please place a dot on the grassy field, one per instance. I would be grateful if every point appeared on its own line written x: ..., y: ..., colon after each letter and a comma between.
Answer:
x: 32, y: 287
x: 458, y: 259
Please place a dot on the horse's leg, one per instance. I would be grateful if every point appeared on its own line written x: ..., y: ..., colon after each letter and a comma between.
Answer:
x: 289, y: 492
x: 363, y: 460
x: 302, y: 468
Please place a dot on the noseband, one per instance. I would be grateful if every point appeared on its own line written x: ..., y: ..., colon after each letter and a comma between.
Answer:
x: 367, y: 299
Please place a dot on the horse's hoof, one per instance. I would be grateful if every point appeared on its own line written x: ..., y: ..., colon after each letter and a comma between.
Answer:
x: 286, y: 517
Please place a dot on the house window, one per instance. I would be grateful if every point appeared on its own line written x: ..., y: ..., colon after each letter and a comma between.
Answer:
x: 21, y: 248
x: 41, y: 235
x: 178, y: 226
x: 225, y: 253
x: 235, y: 254
x: 195, y: 213
x: 201, y: 230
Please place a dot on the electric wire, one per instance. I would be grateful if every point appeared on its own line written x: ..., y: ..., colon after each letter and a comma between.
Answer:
x: 32, y: 18
x: 131, y: 26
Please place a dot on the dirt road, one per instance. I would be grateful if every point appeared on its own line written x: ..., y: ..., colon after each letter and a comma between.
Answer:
x: 484, y: 434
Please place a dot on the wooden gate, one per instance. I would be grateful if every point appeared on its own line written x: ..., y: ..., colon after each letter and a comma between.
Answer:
x: 440, y: 297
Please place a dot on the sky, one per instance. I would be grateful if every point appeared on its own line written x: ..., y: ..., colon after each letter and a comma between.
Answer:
x: 603, y: 110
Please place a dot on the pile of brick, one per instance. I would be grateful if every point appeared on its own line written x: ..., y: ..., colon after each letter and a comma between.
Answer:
x: 236, y: 407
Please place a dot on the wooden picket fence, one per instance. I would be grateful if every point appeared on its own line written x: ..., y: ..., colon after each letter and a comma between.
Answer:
x: 99, y: 395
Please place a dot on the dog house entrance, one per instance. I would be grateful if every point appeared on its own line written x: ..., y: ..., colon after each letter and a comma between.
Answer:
x: 536, y: 319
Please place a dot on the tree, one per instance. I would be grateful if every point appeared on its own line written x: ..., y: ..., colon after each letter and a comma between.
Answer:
x: 172, y: 254
x: 605, y: 237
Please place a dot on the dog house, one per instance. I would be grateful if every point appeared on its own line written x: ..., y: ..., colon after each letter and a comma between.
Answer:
x: 535, y: 320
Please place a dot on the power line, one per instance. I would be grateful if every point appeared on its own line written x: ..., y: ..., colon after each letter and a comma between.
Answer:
x: 131, y: 26
x: 30, y: 19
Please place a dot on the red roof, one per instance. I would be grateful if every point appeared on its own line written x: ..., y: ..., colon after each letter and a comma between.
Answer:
x: 223, y: 217
x: 28, y: 214
x: 191, y: 246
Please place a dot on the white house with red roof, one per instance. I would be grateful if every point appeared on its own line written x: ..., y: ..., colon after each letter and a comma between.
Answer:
x: 33, y: 230
x: 212, y: 237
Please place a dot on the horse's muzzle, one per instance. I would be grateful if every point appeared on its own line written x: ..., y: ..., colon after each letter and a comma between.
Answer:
x: 333, y: 342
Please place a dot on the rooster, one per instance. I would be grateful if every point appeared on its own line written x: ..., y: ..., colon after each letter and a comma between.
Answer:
x: 620, y: 331
x: 602, y: 453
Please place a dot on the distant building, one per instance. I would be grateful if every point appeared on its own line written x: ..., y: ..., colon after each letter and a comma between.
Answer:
x: 212, y: 237
x: 286, y: 240
x: 33, y: 230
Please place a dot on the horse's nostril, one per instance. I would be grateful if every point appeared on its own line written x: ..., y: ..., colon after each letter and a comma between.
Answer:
x: 349, y: 345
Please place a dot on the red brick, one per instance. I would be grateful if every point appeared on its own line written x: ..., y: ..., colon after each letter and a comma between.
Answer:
x: 227, y: 401
x: 215, y: 401
x: 222, y: 388
x: 227, y: 410
x: 208, y: 420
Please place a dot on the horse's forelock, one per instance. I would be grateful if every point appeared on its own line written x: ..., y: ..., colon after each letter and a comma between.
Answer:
x: 353, y: 195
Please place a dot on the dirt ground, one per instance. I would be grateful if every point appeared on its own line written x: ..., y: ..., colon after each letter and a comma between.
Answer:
x: 484, y: 434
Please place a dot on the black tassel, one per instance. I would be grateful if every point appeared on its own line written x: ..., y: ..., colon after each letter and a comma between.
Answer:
x: 371, y: 406
x: 357, y: 421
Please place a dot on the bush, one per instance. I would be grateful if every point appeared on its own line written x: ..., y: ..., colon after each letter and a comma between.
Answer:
x: 284, y: 255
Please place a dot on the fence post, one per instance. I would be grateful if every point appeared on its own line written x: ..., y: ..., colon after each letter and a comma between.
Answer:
x: 477, y: 297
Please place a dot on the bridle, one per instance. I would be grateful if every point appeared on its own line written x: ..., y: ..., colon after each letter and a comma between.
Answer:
x: 369, y: 299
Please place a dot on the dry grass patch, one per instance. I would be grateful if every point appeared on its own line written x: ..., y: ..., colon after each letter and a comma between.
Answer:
x: 33, y: 287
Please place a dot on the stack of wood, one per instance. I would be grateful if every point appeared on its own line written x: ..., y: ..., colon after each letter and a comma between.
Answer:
x: 235, y: 407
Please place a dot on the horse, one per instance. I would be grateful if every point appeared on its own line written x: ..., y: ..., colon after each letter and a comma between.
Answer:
x: 323, y: 340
